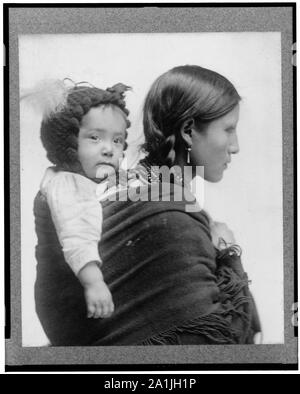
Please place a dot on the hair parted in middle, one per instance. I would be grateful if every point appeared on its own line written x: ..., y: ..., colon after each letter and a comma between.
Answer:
x: 59, y: 130
x: 183, y: 96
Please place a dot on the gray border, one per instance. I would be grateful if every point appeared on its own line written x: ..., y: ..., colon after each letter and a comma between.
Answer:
x: 151, y: 20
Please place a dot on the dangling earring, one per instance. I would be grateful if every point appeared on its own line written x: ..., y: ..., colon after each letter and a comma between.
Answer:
x: 188, y: 156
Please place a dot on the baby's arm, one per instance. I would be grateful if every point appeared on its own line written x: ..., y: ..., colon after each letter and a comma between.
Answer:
x: 77, y: 216
x: 97, y: 295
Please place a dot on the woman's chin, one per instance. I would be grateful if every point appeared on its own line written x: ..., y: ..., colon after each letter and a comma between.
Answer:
x: 214, y: 178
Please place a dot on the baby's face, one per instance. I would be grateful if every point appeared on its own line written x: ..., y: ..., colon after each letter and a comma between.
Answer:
x: 101, y: 141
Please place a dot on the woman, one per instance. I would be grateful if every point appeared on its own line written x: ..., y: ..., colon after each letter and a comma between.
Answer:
x: 171, y: 279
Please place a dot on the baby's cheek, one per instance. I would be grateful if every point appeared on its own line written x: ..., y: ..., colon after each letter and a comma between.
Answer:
x: 120, y: 153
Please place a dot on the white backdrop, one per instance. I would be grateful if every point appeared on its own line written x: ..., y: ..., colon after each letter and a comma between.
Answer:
x: 249, y: 198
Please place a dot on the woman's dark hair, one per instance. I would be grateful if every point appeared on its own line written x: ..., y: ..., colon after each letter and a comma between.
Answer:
x: 182, y: 95
x: 59, y: 131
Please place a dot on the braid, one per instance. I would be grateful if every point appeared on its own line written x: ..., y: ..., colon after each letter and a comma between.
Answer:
x: 164, y: 154
x: 60, y: 130
x: 170, y: 147
x: 160, y: 147
x: 168, y: 150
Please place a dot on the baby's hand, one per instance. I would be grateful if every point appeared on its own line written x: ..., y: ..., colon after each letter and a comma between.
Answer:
x: 98, y: 300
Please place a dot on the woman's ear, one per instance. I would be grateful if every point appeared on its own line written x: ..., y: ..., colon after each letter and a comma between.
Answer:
x: 187, y: 130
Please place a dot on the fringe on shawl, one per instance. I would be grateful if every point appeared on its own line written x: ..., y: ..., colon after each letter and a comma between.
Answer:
x: 214, y: 327
x: 217, y: 327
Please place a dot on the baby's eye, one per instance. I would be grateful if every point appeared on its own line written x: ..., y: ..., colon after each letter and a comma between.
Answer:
x: 95, y: 137
x: 119, y: 140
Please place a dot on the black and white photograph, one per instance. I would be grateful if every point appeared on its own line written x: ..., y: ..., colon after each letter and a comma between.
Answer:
x: 154, y: 214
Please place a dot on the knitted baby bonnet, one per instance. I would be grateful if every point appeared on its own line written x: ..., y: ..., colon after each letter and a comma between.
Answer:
x: 62, y: 117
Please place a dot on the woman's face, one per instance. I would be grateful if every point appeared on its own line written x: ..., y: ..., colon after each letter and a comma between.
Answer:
x: 101, y: 141
x: 213, y: 147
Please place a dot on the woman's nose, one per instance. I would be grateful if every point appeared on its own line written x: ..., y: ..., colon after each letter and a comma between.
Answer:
x: 234, y: 144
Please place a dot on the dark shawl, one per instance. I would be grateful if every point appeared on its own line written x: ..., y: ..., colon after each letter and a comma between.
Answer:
x: 164, y: 274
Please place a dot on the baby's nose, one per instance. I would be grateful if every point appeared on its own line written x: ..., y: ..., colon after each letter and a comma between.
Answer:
x: 107, y: 149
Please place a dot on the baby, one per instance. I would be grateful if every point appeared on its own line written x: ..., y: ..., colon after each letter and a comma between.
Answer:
x: 84, y: 134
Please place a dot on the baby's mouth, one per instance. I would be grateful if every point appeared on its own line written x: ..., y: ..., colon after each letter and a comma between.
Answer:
x: 104, y: 170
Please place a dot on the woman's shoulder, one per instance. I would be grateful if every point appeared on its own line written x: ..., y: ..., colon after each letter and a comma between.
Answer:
x: 176, y: 218
x: 187, y: 233
x: 155, y: 214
